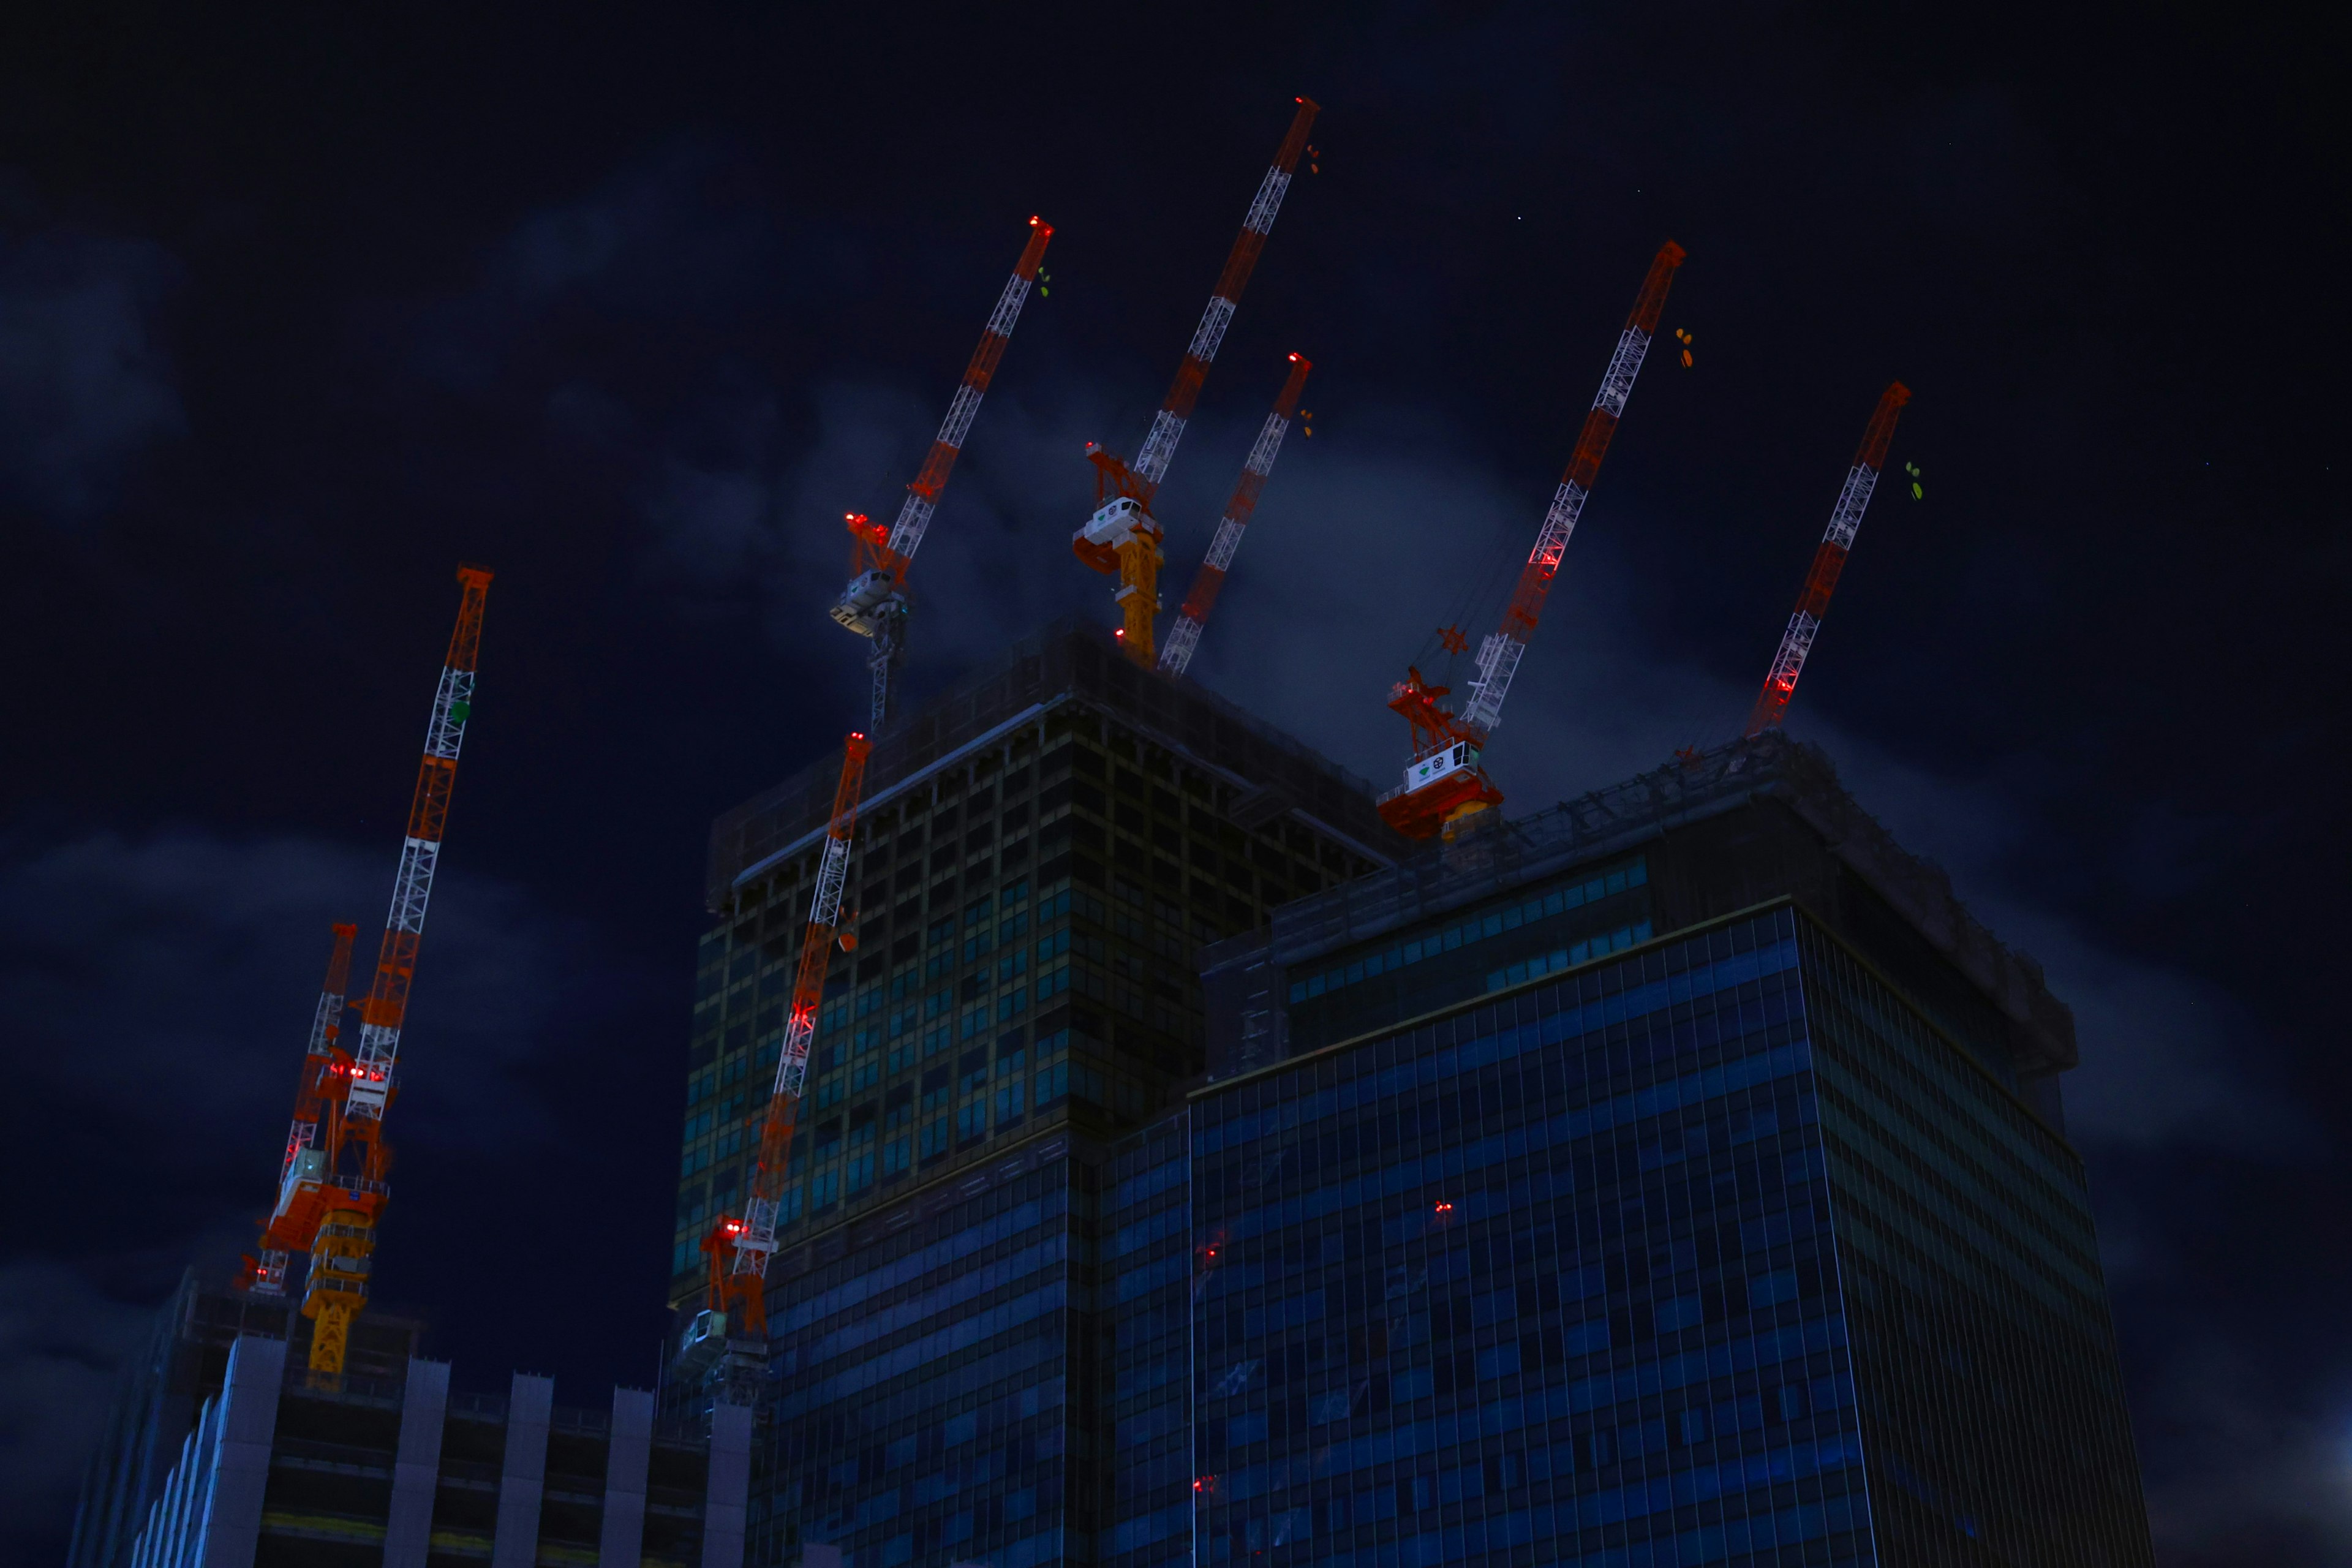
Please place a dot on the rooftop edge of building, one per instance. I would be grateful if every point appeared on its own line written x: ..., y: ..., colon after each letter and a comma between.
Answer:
x: 1062, y: 659
x: 1646, y: 808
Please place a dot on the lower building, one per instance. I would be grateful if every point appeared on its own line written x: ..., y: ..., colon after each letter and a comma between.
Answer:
x: 226, y: 1451
x: 1678, y: 1175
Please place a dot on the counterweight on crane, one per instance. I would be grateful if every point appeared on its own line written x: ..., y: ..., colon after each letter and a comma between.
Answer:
x: 1829, y: 560
x: 324, y: 1207
x: 1444, y: 782
x: 315, y: 1099
x: 739, y: 1248
x: 873, y: 605
x: 1184, y: 631
x: 1122, y: 538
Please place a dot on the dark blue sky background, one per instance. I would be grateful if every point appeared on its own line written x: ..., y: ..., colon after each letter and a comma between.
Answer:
x: 298, y: 310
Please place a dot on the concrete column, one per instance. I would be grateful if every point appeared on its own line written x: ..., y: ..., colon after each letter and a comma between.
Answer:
x: 726, y: 1504
x: 174, y: 1517
x: 231, y: 1531
x: 627, y: 1462
x: 416, y: 1468
x: 524, y: 1476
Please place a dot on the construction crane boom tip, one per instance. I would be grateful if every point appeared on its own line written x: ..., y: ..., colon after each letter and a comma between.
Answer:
x: 1126, y: 542
x: 1829, y: 563
x: 1184, y: 632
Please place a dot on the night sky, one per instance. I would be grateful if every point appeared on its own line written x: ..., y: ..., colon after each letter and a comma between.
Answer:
x: 299, y: 311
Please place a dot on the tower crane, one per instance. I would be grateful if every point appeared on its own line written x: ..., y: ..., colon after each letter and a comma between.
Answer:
x: 1184, y: 632
x: 1444, y: 781
x: 325, y: 1206
x: 314, y: 1100
x: 739, y: 1248
x: 1122, y: 538
x: 1829, y: 560
x: 873, y: 605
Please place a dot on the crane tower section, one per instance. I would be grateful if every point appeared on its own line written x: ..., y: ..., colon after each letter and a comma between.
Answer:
x: 1444, y: 780
x: 1122, y: 538
x: 1829, y: 560
x: 314, y: 1101
x: 1184, y: 632
x: 873, y: 605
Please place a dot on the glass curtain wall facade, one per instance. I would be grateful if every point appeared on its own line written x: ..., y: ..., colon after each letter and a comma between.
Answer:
x: 1992, y: 1403
x: 1042, y: 850
x: 1147, y: 1264
x: 1675, y: 1177
x: 1713, y: 1252
x: 925, y: 1408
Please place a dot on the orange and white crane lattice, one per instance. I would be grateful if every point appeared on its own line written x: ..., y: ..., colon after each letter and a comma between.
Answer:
x: 1443, y: 782
x: 1829, y: 560
x: 739, y: 1248
x: 331, y: 1192
x: 1122, y: 538
x: 873, y: 605
x: 318, y: 1100
x: 1184, y: 631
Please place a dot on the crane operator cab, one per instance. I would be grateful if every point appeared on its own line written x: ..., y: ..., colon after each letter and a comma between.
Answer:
x: 868, y: 598
x: 1113, y: 523
x: 1459, y: 757
x: 1443, y: 791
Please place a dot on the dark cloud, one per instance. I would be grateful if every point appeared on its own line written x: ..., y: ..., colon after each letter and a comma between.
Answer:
x: 173, y: 977
x: 63, y: 1347
x: 86, y: 386
x: 2272, y: 1467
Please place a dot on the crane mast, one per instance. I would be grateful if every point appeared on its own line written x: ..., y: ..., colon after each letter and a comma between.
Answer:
x: 738, y: 1249
x: 1829, y: 560
x: 323, y: 1207
x: 1444, y: 781
x: 1121, y: 538
x: 873, y: 605
x: 1184, y: 632
x: 313, y: 1099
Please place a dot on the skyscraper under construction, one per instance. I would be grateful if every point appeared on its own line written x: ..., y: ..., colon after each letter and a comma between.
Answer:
x: 1191, y: 1170
x: 1041, y: 852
